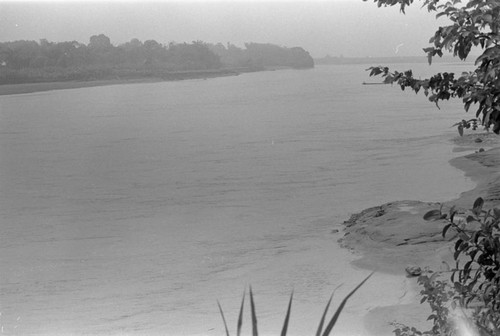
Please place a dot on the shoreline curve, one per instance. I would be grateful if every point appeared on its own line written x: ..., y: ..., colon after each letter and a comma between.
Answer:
x: 392, y: 236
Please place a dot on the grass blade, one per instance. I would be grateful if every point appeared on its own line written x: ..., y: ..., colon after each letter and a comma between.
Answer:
x: 320, y: 327
x: 255, y: 331
x: 240, y: 317
x: 223, y: 318
x: 287, y: 317
x: 335, y: 317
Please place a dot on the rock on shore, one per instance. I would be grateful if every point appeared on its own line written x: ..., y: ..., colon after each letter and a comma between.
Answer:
x: 391, y: 236
x: 394, y: 235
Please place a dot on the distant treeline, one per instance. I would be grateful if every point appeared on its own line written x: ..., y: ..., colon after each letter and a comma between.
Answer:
x: 262, y: 55
x: 31, y: 61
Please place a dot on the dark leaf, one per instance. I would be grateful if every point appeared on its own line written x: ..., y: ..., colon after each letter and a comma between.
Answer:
x: 456, y: 254
x: 472, y: 254
x: 453, y: 212
x: 476, y: 236
x: 375, y: 71
x: 433, y: 215
x: 478, y: 206
x: 467, y: 266
x: 458, y: 243
x: 445, y: 229
x: 496, y: 212
x: 470, y: 219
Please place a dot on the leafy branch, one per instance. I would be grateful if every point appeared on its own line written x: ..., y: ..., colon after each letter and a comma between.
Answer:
x: 474, y: 24
x: 476, y: 283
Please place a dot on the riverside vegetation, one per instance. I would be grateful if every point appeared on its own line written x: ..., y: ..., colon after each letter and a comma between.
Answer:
x: 469, y: 301
x: 319, y: 332
x: 44, y: 61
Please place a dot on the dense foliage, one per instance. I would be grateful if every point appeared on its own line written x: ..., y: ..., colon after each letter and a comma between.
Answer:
x: 31, y: 61
x: 473, y: 25
x: 476, y: 276
x: 471, y: 299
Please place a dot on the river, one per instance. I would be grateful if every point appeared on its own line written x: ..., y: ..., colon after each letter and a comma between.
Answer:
x: 131, y: 209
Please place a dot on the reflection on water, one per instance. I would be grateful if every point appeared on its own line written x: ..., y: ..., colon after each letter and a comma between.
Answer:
x: 130, y: 209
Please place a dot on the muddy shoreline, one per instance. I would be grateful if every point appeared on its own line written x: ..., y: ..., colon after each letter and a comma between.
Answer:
x: 10, y: 89
x: 389, y: 237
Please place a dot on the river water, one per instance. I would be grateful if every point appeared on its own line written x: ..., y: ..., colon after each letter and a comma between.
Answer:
x: 131, y: 209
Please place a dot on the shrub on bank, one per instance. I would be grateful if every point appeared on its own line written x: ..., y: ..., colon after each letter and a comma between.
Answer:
x: 470, y: 299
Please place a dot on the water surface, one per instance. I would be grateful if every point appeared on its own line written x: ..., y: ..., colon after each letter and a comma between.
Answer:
x: 131, y: 209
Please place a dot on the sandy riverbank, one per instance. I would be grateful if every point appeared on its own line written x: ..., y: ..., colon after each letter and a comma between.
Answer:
x: 392, y: 236
x: 9, y: 89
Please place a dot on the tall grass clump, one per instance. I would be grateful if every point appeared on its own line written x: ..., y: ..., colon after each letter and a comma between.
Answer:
x: 319, y: 332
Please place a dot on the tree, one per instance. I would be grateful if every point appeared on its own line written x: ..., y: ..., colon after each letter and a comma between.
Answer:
x: 474, y: 24
x: 100, y: 43
x: 101, y: 51
x: 266, y: 54
x: 21, y: 53
x: 6, y: 55
x: 194, y: 56
x: 133, y: 52
x: 154, y: 51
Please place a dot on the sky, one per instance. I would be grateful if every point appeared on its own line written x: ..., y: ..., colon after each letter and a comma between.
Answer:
x: 349, y: 28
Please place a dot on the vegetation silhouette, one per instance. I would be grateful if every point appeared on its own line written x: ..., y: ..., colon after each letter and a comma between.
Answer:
x: 44, y: 61
x: 473, y: 289
x: 319, y: 332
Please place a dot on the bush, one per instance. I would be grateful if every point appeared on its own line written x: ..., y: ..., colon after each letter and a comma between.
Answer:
x: 474, y: 285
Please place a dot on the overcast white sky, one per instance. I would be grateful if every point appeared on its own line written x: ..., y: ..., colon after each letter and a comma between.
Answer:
x: 335, y: 27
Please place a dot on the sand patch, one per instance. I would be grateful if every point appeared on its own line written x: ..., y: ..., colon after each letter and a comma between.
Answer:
x: 408, y: 208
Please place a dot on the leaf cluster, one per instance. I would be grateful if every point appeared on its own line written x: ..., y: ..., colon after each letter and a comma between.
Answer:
x: 476, y: 276
x: 438, y: 294
x: 461, y: 125
x: 473, y: 24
